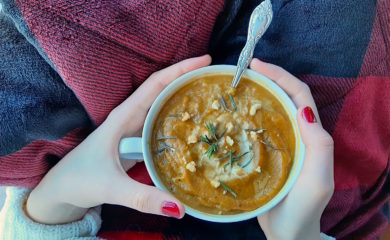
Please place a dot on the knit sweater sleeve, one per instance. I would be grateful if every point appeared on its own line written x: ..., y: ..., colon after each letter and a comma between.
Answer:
x: 15, y: 224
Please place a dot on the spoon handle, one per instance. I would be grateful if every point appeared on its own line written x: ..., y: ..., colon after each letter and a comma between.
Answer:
x: 259, y: 22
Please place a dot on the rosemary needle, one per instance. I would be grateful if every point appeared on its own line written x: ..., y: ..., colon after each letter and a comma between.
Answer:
x: 211, y: 128
x: 247, y: 163
x: 223, y: 134
x: 239, y: 156
x: 205, y: 139
x: 165, y: 137
x: 234, y: 158
x: 228, y: 189
x: 212, y: 149
x: 165, y: 147
x: 223, y: 103
x: 226, y: 156
x: 231, y: 158
x: 177, y: 115
x: 261, y: 130
x: 233, y: 103
x: 270, y: 146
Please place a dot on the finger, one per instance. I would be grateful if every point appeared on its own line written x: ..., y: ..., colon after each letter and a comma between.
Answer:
x: 167, y: 75
x: 295, y: 88
x: 313, y: 135
x: 319, y: 149
x: 144, y: 96
x: 144, y: 198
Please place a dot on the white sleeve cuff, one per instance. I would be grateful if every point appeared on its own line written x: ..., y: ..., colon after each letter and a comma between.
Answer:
x: 15, y: 224
x: 326, y: 237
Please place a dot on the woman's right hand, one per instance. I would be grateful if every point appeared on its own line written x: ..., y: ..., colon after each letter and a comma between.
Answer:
x: 298, y: 215
x: 93, y: 174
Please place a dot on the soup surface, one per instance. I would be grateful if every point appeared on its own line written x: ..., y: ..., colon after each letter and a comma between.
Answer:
x: 222, y: 150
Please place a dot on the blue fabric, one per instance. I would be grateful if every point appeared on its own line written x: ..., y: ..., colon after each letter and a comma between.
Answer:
x: 35, y: 102
x: 327, y: 38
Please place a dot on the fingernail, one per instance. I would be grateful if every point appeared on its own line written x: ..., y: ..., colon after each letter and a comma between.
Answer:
x: 308, y: 115
x: 170, y: 209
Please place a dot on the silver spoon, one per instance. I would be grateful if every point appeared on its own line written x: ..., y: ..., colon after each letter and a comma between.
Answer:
x: 259, y: 22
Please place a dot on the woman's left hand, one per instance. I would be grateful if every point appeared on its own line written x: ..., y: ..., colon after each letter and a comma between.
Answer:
x: 92, y: 173
x: 298, y: 215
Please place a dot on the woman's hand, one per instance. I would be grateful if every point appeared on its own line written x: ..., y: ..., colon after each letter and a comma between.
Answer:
x: 92, y: 173
x: 298, y: 215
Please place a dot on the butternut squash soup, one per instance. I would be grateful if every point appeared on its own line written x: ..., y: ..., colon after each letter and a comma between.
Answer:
x: 222, y: 150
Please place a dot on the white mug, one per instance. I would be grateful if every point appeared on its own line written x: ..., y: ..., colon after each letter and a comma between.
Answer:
x: 135, y: 148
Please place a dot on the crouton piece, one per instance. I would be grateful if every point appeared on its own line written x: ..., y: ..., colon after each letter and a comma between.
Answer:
x: 191, y: 166
x: 215, y: 105
x: 215, y: 183
x: 254, y: 108
x: 186, y: 116
x: 229, y: 140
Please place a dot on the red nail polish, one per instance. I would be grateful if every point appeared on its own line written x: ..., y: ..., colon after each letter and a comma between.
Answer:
x: 170, y: 209
x: 308, y: 115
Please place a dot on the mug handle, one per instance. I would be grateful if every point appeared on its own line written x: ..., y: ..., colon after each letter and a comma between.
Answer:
x: 131, y: 148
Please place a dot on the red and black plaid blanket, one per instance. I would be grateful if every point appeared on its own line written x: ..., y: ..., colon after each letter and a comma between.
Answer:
x: 65, y: 64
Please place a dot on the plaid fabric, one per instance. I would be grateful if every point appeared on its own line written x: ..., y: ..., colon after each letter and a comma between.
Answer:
x: 65, y: 65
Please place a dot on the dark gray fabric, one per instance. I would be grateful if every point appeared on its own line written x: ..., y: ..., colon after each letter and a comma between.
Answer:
x: 35, y: 102
x: 327, y: 38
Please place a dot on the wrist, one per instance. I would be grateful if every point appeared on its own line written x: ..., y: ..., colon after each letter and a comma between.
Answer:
x: 44, y: 208
x: 307, y: 232
x: 311, y: 232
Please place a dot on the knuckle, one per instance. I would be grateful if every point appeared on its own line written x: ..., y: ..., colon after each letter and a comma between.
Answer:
x: 114, y: 113
x: 303, y: 87
x: 141, y: 202
x: 154, y: 74
x: 325, y: 140
x: 328, y: 189
x: 279, y: 69
x: 331, y: 188
x: 302, y: 91
x: 157, y: 80
x: 182, y: 69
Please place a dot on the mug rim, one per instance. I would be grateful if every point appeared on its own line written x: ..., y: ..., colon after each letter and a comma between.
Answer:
x: 258, y: 78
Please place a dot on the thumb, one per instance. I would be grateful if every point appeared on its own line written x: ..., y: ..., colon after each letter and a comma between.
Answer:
x: 144, y: 198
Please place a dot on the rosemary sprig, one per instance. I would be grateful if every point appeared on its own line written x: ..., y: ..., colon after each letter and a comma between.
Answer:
x: 247, y: 163
x: 270, y: 145
x: 165, y: 137
x: 213, y: 142
x: 213, y: 145
x: 233, y: 103
x: 228, y: 189
x: 260, y: 130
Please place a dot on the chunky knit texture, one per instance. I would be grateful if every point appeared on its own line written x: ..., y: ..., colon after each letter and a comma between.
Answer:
x: 15, y: 224
x: 102, y: 51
